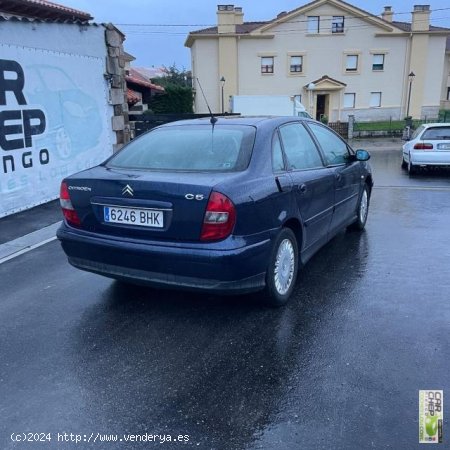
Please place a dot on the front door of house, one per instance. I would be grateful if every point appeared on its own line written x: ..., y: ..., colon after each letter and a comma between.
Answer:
x: 322, y: 106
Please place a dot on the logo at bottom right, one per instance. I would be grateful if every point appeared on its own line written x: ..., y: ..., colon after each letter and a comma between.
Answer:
x: 431, y: 416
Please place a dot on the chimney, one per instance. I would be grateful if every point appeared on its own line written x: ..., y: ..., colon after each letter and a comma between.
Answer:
x: 421, y: 18
x: 228, y: 16
x: 387, y: 14
x: 238, y: 15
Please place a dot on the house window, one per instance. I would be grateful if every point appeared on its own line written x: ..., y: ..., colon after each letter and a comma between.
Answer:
x: 296, y: 65
x: 349, y: 100
x: 375, y: 99
x: 378, y: 62
x: 313, y: 24
x: 351, y: 63
x: 448, y: 93
x: 267, y: 64
x: 337, y: 25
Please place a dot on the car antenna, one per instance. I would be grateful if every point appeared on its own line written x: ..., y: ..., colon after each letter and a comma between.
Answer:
x: 213, y: 119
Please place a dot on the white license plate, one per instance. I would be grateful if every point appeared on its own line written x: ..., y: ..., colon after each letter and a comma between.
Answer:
x: 134, y: 216
x: 443, y: 146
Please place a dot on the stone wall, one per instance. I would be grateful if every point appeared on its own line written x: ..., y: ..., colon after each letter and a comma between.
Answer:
x: 115, y: 74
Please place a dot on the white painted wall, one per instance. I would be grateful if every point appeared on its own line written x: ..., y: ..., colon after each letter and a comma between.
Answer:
x: 324, y: 55
x: 205, y: 54
x: 63, y: 67
x: 433, y: 77
x: 67, y: 38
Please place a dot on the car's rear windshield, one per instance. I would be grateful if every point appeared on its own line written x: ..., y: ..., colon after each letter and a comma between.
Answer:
x: 437, y: 134
x: 193, y: 148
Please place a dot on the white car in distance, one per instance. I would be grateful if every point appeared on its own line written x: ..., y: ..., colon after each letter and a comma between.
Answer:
x: 429, y: 146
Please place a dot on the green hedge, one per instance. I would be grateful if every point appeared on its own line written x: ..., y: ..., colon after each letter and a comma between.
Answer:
x: 177, y: 99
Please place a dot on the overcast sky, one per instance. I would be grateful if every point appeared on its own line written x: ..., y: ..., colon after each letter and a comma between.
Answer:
x: 164, y: 45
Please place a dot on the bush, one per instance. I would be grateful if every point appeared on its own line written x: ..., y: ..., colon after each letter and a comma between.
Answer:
x: 177, y: 99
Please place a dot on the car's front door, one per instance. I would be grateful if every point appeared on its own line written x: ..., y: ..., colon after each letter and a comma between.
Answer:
x: 313, y: 183
x: 346, y: 170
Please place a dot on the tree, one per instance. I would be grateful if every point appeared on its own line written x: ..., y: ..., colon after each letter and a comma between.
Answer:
x: 175, y: 76
x: 178, y: 96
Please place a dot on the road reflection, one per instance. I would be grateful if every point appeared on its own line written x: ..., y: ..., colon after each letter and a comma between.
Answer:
x: 388, y: 173
x: 217, y: 368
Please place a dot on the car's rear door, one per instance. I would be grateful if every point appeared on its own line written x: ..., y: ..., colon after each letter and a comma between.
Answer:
x: 313, y: 183
x: 347, y: 173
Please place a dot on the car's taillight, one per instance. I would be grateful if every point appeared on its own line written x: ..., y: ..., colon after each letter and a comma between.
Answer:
x: 68, y: 210
x: 220, y: 217
x: 422, y: 146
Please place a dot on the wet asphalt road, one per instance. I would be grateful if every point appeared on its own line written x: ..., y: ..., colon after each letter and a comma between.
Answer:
x: 340, y: 367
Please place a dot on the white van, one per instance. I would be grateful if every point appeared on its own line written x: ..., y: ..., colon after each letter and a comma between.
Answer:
x: 268, y: 105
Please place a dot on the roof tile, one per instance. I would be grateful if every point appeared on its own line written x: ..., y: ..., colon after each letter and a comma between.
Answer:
x: 135, y: 77
x: 43, y: 9
x: 133, y: 96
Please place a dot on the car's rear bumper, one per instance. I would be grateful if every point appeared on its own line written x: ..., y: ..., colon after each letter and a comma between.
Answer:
x: 236, y: 270
x: 430, y: 158
x: 168, y: 280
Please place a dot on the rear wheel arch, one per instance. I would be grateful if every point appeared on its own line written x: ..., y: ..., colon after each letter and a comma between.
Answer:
x: 297, y: 228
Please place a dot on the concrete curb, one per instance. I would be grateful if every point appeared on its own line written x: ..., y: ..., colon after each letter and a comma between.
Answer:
x: 28, y: 242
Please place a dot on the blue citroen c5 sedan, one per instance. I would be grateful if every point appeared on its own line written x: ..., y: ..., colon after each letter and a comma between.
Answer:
x: 228, y: 205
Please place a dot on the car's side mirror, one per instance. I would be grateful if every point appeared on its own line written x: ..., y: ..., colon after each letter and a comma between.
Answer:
x: 362, y: 155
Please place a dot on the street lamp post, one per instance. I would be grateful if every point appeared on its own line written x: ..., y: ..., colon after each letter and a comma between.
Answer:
x: 411, y: 79
x: 310, y: 88
x: 222, y: 82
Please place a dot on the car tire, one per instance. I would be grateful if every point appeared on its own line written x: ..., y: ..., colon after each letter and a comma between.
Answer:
x: 282, y: 270
x: 412, y: 169
x: 363, y: 210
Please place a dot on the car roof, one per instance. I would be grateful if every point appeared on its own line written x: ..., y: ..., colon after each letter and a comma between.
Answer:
x: 436, y: 124
x: 255, y: 121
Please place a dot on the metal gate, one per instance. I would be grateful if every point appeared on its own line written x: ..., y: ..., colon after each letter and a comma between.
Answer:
x: 340, y: 128
x: 145, y: 122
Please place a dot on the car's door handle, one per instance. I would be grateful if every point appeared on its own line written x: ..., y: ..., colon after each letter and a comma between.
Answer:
x: 303, y: 188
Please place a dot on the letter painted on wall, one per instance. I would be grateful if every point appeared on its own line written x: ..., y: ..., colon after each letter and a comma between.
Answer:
x: 54, y: 121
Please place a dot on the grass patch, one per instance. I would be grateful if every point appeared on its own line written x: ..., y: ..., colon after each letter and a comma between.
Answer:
x: 386, y: 125
x: 390, y: 126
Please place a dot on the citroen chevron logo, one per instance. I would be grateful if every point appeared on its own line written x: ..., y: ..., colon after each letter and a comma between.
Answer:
x: 128, y: 190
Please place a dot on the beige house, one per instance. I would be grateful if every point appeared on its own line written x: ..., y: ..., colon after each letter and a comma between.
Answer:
x: 334, y: 57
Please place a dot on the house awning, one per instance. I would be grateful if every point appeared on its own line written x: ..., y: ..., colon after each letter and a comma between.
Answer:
x: 326, y: 83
